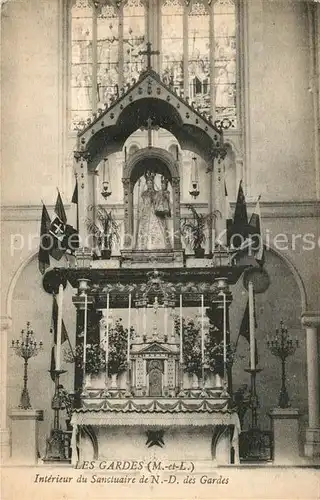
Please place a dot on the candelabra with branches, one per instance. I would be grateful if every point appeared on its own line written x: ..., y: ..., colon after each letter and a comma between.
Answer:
x: 26, y: 347
x: 282, y: 346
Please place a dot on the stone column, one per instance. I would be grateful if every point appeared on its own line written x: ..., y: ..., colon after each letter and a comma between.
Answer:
x: 311, y: 322
x: 4, y: 430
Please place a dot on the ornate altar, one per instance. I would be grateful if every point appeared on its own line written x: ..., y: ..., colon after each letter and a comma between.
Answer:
x: 150, y: 403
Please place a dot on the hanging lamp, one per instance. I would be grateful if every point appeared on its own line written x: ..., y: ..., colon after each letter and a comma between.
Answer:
x: 106, y: 183
x: 194, y: 190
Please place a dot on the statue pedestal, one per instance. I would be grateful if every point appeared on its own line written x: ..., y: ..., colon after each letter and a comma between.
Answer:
x: 24, y: 435
x: 285, y: 427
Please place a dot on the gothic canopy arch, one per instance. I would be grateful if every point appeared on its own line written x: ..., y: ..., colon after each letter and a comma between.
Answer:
x: 163, y: 163
x: 108, y: 130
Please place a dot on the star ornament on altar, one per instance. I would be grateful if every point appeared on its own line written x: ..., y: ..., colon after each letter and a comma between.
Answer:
x: 155, y: 438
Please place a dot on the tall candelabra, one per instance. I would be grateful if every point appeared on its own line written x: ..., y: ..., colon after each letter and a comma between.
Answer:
x: 26, y: 347
x: 282, y: 346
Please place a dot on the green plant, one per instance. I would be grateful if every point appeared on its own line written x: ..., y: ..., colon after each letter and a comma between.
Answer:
x: 214, y: 351
x: 213, y: 348
x: 118, y: 345
x: 194, y: 230
x: 96, y: 356
x: 191, y: 345
x: 103, y: 227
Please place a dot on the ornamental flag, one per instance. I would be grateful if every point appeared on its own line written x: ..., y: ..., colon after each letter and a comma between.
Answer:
x: 44, y: 246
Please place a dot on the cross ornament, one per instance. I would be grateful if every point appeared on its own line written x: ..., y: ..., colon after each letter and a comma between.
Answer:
x: 148, y: 52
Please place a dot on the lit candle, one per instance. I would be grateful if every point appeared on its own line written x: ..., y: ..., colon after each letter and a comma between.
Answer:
x: 181, y: 331
x: 59, y: 327
x: 251, y: 326
x: 85, y: 333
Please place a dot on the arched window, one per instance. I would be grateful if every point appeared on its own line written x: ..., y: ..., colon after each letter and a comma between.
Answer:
x: 198, y: 53
x: 106, y: 38
x: 197, y: 43
x: 172, y: 44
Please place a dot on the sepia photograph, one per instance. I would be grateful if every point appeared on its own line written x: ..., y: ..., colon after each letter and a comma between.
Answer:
x: 160, y: 249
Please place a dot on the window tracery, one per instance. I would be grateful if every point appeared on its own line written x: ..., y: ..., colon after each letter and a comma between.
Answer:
x: 198, y: 52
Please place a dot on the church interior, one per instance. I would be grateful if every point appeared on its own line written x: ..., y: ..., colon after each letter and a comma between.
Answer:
x: 141, y: 140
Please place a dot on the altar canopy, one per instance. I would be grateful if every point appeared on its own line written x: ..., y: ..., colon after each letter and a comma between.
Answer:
x: 148, y: 358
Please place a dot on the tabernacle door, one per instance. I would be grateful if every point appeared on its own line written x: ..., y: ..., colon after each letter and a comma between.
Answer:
x: 155, y: 378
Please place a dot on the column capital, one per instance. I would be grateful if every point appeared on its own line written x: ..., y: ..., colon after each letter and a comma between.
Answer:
x: 310, y: 319
x: 5, y: 323
x: 81, y: 156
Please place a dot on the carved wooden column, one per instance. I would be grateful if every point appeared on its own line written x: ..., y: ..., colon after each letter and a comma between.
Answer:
x: 128, y: 213
x: 219, y: 201
x: 176, y: 213
x: 81, y: 167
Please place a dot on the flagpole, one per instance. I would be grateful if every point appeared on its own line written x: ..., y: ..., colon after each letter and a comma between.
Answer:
x: 251, y: 326
x: 59, y: 327
x: 85, y: 334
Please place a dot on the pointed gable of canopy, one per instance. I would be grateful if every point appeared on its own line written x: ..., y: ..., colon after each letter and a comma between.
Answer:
x: 151, y: 98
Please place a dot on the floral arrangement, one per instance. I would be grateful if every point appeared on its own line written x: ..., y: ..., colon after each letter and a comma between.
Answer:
x: 118, y: 345
x: 96, y: 356
x: 213, y: 348
x: 214, y: 351
x: 191, y: 345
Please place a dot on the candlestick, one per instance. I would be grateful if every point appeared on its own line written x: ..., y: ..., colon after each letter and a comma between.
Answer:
x: 85, y: 334
x: 59, y: 327
x: 181, y: 332
x: 165, y: 321
x: 144, y: 322
x: 202, y: 338
x: 26, y: 349
x: 129, y: 328
x: 282, y: 346
x: 251, y: 326
x: 107, y: 336
x: 224, y: 336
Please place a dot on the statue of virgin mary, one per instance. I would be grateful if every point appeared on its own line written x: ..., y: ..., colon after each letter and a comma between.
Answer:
x: 152, y: 218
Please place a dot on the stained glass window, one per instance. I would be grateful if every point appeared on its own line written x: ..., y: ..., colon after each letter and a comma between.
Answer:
x: 107, y: 53
x: 225, y: 58
x: 133, y: 39
x: 81, y: 71
x: 199, y: 56
x: 198, y: 51
x: 107, y: 37
x: 172, y: 44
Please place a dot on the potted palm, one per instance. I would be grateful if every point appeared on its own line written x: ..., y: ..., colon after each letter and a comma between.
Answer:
x: 194, y: 231
x: 105, y: 230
